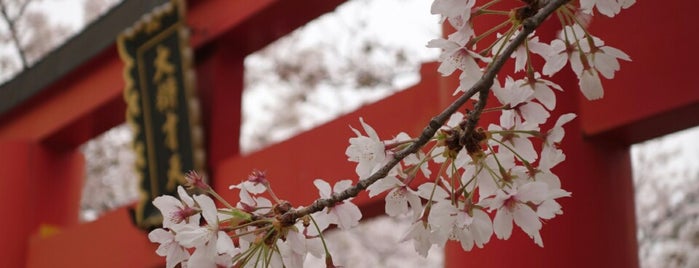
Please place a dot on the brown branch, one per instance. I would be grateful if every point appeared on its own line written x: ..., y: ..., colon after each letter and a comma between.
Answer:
x: 12, y: 26
x: 482, y: 86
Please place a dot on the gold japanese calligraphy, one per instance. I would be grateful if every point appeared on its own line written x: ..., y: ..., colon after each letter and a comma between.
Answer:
x: 162, y: 64
x: 166, y: 98
x: 170, y: 129
x: 174, y: 175
x: 162, y: 105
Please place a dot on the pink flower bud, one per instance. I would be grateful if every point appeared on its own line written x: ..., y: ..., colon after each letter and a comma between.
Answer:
x: 194, y: 180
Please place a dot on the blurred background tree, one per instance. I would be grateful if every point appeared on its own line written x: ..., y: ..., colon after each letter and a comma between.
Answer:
x: 666, y: 174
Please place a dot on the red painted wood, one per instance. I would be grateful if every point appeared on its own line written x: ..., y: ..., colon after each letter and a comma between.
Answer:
x: 597, y: 228
x: 657, y: 93
x: 220, y: 85
x: 292, y: 165
x: 75, y: 104
x: 41, y: 187
x: 16, y: 204
x: 57, y: 178
x: 88, y: 101
x: 112, y: 241
x: 251, y: 25
x: 72, y: 99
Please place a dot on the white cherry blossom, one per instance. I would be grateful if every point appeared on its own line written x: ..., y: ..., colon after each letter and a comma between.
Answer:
x: 255, y: 205
x: 212, y: 246
x: 512, y: 94
x: 458, y: 223
x: 345, y: 214
x: 421, y: 235
x: 588, y: 55
x: 507, y: 176
x: 606, y: 59
x: 558, y: 56
x: 513, y: 206
x: 597, y: 55
x: 177, y: 211
x: 518, y: 95
x: 591, y: 85
x: 296, y: 247
x: 458, y: 14
x: 480, y: 172
x: 454, y: 56
x: 549, y: 208
x: 453, y: 8
x: 256, y: 183
x: 368, y: 151
x: 508, y: 132
x: 550, y: 157
x: 215, y: 254
x: 522, y: 53
x: 543, y: 90
x: 555, y: 135
x: 412, y: 159
x: 173, y: 252
x: 525, y: 205
x: 400, y: 199
x: 226, y: 250
x: 432, y: 192
x: 195, y: 236
x: 609, y: 8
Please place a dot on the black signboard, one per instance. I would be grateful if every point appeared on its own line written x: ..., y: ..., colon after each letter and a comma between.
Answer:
x: 162, y: 106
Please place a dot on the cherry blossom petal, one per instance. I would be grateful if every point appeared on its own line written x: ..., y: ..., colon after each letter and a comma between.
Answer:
x: 590, y: 85
x: 168, y: 206
x: 556, y: 59
x: 208, y: 209
x: 526, y: 218
x: 606, y: 65
x: 342, y: 185
x: 533, y: 191
x: 548, y: 209
x: 191, y: 236
x: 425, y: 191
x: 324, y: 189
x: 502, y: 224
x: 348, y: 215
x: 550, y: 157
x: 415, y: 203
x: 420, y: 236
x: 224, y: 244
x: 322, y: 219
x: 383, y: 185
x: 466, y: 240
x: 481, y: 228
x: 534, y: 113
x: 545, y: 95
x: 184, y: 196
x: 171, y: 250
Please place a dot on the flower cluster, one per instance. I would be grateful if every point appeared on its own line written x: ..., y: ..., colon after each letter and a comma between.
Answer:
x: 463, y: 181
x: 486, y: 182
x: 252, y: 233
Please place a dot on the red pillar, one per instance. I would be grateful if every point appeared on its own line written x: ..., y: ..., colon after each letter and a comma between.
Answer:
x: 15, y: 202
x: 41, y: 187
x: 597, y: 228
x: 220, y: 84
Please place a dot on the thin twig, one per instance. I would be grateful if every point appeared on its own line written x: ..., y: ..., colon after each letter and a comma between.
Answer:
x: 12, y: 26
x: 482, y: 86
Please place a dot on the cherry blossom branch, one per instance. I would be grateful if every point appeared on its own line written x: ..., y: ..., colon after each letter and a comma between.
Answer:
x: 482, y: 86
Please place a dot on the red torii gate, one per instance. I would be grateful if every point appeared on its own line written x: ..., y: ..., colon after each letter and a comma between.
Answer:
x: 42, y: 170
